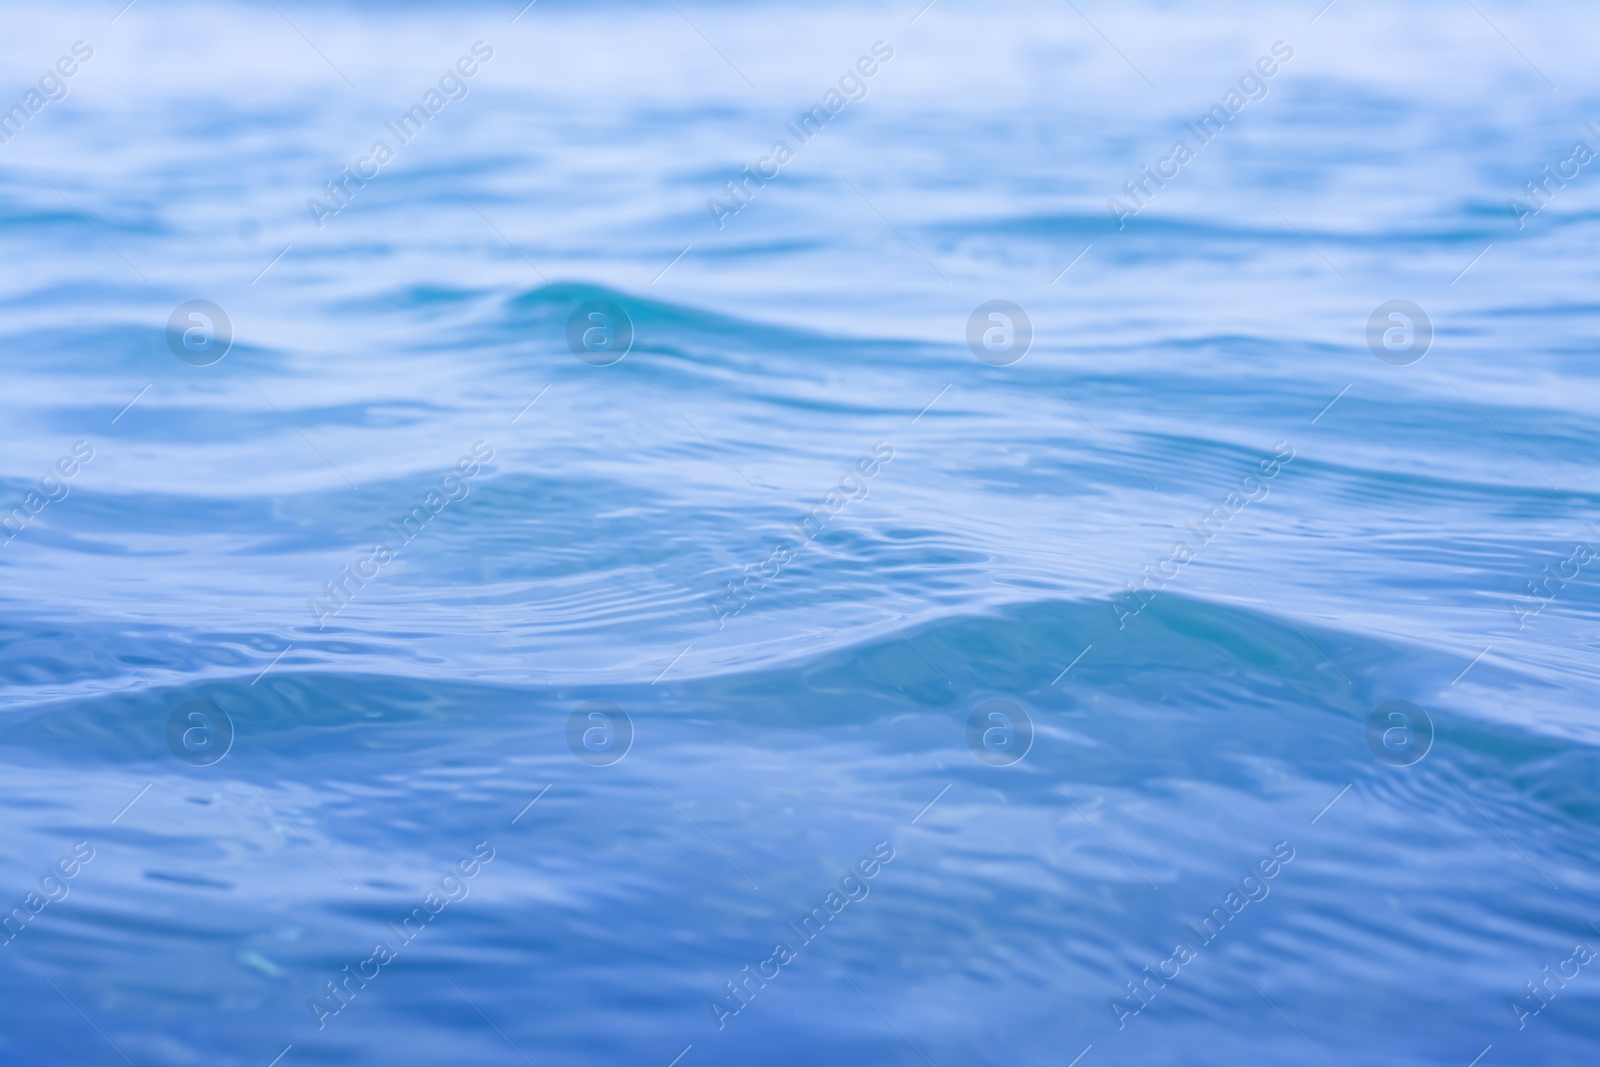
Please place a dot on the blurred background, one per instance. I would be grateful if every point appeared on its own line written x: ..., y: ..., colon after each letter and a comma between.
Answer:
x: 343, y: 545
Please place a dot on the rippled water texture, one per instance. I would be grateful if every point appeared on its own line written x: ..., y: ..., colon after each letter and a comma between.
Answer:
x: 1193, y: 665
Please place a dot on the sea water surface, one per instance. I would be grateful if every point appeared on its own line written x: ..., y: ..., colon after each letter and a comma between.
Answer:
x: 403, y: 688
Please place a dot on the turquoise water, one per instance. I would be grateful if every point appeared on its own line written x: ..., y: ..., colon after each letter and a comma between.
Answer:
x: 586, y: 614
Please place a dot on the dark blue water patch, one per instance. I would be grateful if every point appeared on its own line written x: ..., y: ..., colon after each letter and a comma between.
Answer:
x: 1217, y: 732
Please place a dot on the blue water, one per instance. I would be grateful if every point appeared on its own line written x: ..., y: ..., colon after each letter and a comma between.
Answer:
x: 537, y: 786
